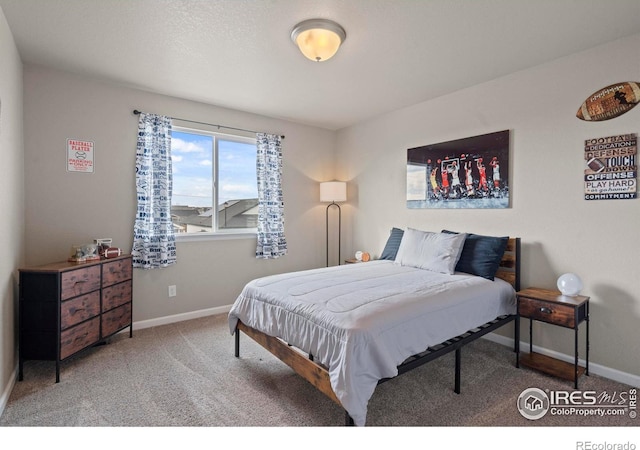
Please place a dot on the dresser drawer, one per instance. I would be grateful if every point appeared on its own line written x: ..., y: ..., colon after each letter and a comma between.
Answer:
x: 116, y: 319
x: 116, y: 295
x: 79, y: 281
x: 554, y: 313
x: 116, y: 271
x: 75, y: 339
x: 79, y: 309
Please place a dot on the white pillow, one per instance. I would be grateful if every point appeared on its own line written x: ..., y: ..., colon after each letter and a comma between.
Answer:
x: 438, y: 252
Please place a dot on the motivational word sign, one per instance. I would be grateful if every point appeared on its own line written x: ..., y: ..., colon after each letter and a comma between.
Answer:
x: 79, y: 156
x: 611, y: 167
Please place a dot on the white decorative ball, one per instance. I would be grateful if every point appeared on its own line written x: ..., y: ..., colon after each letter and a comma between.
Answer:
x: 359, y: 255
x: 570, y: 284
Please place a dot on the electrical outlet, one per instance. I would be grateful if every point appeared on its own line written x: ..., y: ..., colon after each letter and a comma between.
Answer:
x: 172, y: 290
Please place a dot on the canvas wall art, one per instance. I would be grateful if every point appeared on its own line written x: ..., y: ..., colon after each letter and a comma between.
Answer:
x: 466, y: 173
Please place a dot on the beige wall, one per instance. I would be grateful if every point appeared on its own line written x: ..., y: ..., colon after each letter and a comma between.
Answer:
x: 12, y: 201
x: 66, y: 208
x: 561, y: 232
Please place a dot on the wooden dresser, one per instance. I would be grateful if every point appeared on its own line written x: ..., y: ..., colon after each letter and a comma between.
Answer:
x: 66, y: 307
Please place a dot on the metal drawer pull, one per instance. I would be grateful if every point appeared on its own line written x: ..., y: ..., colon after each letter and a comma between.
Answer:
x: 545, y: 310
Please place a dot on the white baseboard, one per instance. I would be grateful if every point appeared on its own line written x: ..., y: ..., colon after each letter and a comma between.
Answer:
x: 4, y: 399
x: 603, y: 371
x: 180, y: 317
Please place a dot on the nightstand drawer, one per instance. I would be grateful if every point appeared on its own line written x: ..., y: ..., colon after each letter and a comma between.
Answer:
x: 554, y: 313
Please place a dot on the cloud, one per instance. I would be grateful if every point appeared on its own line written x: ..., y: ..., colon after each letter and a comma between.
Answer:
x: 181, y: 146
x: 193, y: 191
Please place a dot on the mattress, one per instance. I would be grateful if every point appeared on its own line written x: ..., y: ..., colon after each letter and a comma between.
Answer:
x: 363, y: 320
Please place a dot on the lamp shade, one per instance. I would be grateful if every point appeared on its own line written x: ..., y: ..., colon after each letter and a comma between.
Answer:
x: 333, y: 191
x: 569, y: 284
x: 318, y: 39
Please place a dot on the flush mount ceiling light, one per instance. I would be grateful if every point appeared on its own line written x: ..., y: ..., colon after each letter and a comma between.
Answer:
x: 318, y: 39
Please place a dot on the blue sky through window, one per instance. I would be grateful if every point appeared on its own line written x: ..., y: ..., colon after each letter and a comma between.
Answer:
x: 192, y: 156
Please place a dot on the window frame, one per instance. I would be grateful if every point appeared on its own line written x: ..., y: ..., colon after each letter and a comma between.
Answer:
x: 216, y: 233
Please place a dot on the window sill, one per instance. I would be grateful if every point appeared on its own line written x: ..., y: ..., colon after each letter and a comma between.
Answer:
x: 219, y: 236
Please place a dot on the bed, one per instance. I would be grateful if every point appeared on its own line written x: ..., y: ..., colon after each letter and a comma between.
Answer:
x: 348, y: 328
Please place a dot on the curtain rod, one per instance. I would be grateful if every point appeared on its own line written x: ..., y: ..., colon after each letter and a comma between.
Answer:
x: 137, y: 112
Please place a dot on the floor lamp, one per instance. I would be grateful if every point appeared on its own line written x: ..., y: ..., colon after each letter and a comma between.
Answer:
x: 333, y: 192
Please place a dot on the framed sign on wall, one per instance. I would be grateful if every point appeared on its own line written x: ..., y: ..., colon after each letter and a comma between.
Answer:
x: 80, y: 156
x: 611, y: 167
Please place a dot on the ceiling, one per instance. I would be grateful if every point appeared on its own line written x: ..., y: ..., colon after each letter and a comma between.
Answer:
x: 238, y: 53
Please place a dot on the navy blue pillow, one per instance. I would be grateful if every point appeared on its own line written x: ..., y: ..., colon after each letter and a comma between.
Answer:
x: 481, y: 255
x: 392, y: 245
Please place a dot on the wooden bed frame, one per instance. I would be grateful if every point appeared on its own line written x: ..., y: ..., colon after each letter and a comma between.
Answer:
x: 318, y: 375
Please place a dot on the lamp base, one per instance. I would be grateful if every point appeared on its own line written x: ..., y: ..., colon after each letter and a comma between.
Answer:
x: 339, y: 229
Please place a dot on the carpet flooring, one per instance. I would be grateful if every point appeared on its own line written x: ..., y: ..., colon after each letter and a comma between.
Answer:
x: 185, y: 375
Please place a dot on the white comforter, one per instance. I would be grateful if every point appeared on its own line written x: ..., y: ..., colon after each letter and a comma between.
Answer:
x: 362, y: 320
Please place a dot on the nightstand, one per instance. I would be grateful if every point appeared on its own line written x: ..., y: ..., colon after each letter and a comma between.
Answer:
x: 556, y: 309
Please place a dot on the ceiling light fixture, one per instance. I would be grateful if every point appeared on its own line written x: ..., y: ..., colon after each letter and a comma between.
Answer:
x: 318, y: 39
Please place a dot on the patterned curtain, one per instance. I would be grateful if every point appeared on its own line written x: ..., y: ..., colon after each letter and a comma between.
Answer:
x: 154, y: 243
x: 271, y: 241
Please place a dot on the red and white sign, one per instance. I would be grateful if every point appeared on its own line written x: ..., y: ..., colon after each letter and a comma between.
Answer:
x: 79, y: 156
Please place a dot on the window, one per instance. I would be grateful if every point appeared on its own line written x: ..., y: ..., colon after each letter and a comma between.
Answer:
x: 214, y: 183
